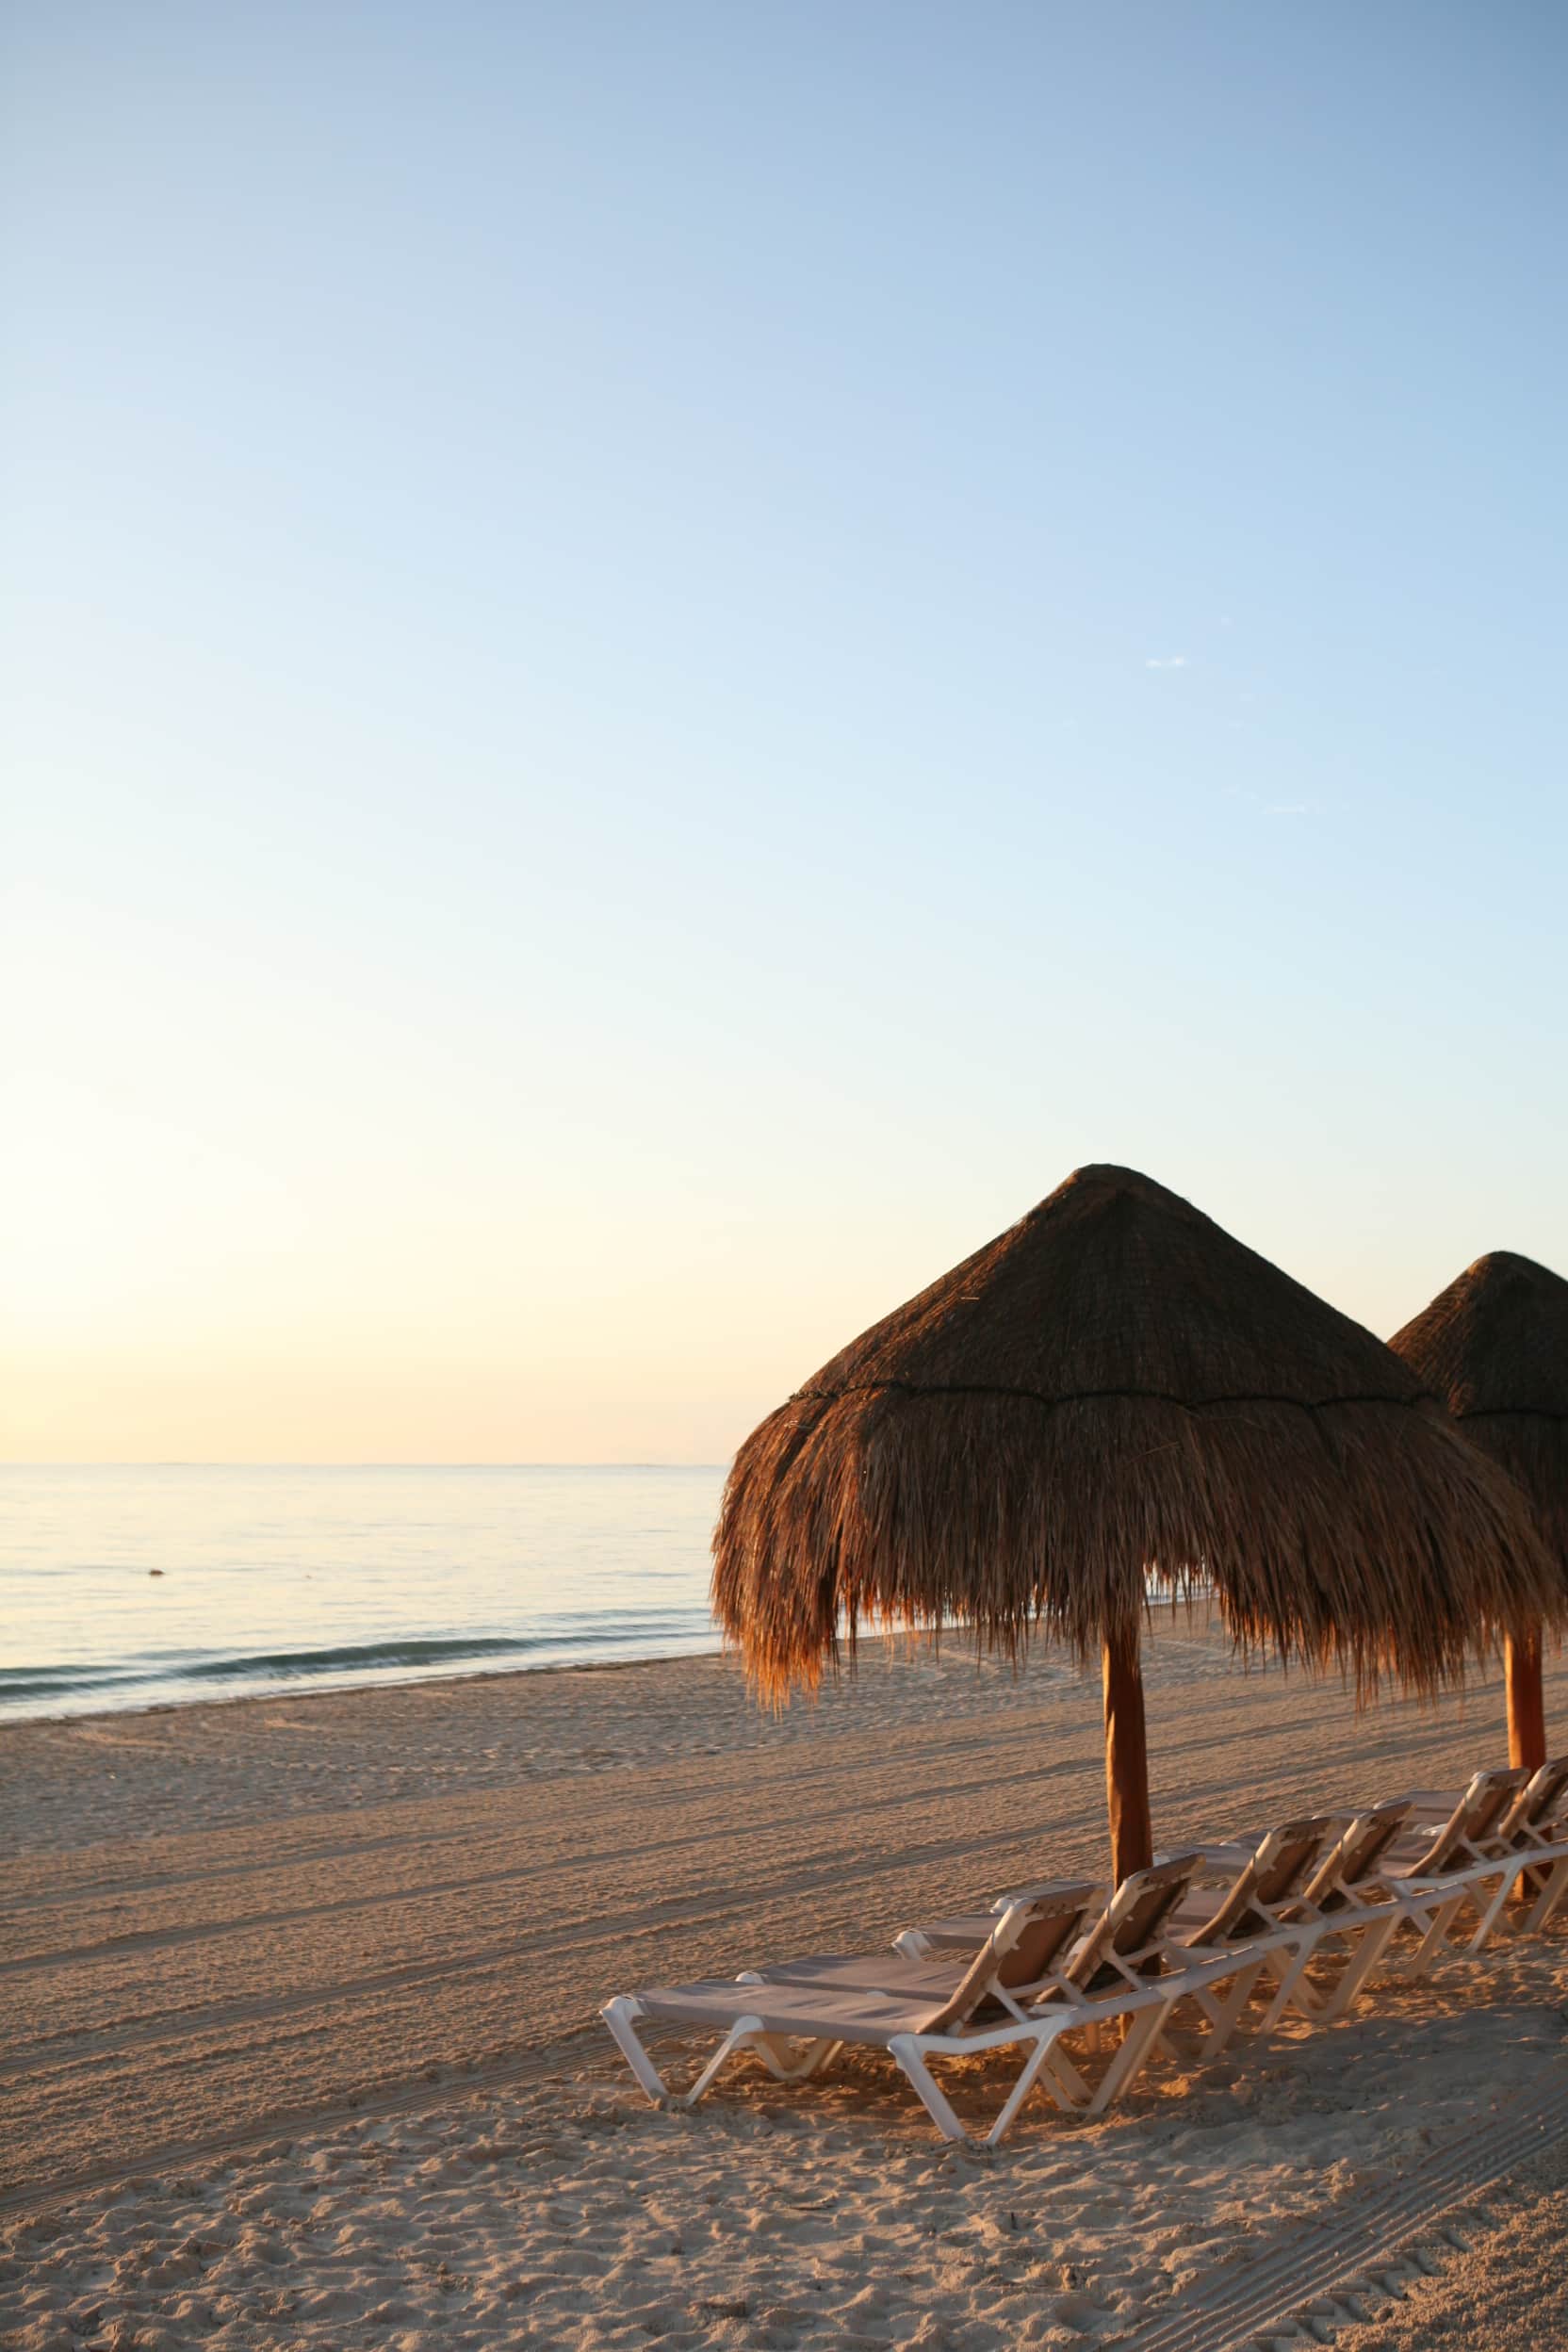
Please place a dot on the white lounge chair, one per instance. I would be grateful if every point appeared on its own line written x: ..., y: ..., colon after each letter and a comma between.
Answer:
x: 1344, y: 1901
x: 1258, y: 1910
x: 1541, y: 1820
x: 1434, y: 1873
x: 1526, y: 1847
x: 1053, y: 1966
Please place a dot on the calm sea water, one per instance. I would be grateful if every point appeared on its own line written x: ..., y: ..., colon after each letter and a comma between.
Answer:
x: 274, y: 1578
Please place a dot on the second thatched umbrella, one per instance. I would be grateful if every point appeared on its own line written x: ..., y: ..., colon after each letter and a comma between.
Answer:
x: 1112, y: 1395
x: 1494, y: 1347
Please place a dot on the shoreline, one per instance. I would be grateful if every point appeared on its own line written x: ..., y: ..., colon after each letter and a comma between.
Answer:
x: 1198, y: 1612
x: 325, y: 1687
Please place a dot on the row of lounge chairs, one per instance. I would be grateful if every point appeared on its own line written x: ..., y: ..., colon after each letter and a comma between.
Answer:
x: 1301, y: 1915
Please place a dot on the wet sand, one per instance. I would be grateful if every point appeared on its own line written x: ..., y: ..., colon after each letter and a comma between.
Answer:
x: 301, y: 2042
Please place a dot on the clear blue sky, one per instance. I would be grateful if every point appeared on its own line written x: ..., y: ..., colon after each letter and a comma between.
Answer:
x: 662, y: 659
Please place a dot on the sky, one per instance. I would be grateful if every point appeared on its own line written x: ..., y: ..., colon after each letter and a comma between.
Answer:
x: 659, y: 661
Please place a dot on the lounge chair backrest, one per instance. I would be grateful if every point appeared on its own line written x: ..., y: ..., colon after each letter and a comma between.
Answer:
x: 1288, y: 1852
x: 1538, y: 1800
x: 1132, y: 1919
x: 1272, y: 1876
x: 1027, y: 1939
x: 1448, y: 1845
x: 1476, y: 1815
x: 1491, y: 1803
x: 1355, y: 1855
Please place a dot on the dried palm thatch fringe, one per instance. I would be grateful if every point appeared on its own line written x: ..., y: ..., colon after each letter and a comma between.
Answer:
x: 1113, y: 1390
x: 1494, y: 1347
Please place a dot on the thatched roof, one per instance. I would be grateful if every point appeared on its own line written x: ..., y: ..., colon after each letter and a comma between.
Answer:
x: 1494, y: 1347
x: 1114, y: 1390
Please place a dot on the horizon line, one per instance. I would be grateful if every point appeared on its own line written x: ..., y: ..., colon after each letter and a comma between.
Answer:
x: 176, y: 1461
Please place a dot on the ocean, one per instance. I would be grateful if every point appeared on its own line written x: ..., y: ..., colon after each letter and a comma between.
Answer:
x: 163, y: 1585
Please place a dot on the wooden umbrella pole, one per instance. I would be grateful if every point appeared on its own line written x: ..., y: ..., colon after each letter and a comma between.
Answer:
x: 1526, y: 1711
x: 1126, y: 1754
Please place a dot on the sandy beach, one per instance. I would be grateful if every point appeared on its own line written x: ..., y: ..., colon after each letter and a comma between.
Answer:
x: 300, y: 2039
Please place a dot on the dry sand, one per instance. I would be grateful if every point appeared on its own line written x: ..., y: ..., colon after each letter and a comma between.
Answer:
x: 299, y: 2044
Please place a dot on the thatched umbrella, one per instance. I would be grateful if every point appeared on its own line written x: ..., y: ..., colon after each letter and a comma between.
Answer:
x: 1115, y: 1391
x: 1494, y: 1347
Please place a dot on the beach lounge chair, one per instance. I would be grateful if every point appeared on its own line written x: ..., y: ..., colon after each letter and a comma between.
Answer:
x: 1344, y: 1901
x: 1527, y: 1848
x: 1434, y: 1873
x: 1261, y: 1910
x: 1540, y: 1820
x: 1056, y: 1965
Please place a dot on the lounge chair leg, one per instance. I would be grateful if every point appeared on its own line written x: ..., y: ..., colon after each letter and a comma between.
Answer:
x: 905, y: 2051
x: 742, y: 2035
x: 1224, y: 2015
x: 1359, y: 1970
x: 1068, y: 2086
x: 1342, y: 1996
x: 1292, y: 1988
x: 621, y: 2017
x: 1138, y: 2046
x: 1428, y: 1930
x: 1493, y: 1911
x: 1434, y: 1940
x: 772, y: 2049
x: 1033, y: 2066
x: 1554, y: 1886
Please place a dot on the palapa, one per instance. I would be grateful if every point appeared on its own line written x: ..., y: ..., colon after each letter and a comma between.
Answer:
x: 1494, y: 1347
x: 1112, y: 1395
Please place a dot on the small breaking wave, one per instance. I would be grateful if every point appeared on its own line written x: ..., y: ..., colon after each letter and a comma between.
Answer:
x: 172, y: 1678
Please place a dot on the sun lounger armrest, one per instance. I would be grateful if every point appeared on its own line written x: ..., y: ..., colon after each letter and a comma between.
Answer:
x: 1466, y: 1866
